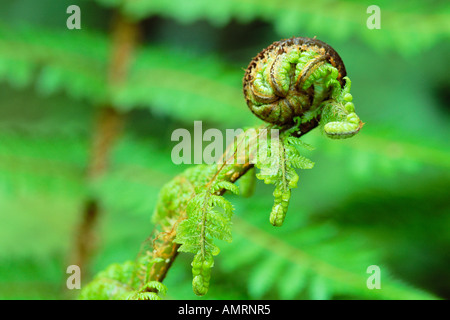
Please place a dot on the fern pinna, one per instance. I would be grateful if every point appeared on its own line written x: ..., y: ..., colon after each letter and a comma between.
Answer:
x: 294, y: 85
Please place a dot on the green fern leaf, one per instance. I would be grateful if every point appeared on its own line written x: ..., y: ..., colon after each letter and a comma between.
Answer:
x: 278, y: 169
x: 208, y: 218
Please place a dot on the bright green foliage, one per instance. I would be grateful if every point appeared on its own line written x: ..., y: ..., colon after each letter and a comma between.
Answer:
x: 277, y: 160
x: 194, y: 193
x: 379, y: 199
x: 175, y: 195
x: 305, y: 263
x: 162, y: 79
x: 112, y: 283
x: 201, y: 273
x: 339, y: 120
x: 142, y: 294
x: 119, y: 282
x: 407, y: 28
x: 76, y: 65
x: 208, y: 218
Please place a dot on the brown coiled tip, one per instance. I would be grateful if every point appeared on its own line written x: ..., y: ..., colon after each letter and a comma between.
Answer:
x: 277, y: 104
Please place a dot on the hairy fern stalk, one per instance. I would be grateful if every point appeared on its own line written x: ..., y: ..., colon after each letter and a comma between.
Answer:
x: 309, y: 89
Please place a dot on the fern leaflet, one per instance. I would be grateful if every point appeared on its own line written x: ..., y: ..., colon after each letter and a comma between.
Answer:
x: 209, y: 218
x: 277, y: 160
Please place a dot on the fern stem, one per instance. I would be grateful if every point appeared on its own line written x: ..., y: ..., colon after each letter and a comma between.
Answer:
x: 168, y: 250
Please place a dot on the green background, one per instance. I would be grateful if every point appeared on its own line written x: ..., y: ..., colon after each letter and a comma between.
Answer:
x: 380, y: 198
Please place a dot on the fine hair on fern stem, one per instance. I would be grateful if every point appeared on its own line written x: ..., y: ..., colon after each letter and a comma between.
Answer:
x: 294, y: 85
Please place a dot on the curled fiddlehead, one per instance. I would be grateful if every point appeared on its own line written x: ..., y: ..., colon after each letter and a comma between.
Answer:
x: 339, y: 120
x: 301, y: 78
x: 295, y: 85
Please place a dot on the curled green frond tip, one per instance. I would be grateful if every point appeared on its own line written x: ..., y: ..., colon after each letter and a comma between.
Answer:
x: 339, y: 120
x: 280, y: 207
x: 201, y: 272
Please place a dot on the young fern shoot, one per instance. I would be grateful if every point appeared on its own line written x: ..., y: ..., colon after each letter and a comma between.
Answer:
x: 209, y: 218
x: 293, y: 85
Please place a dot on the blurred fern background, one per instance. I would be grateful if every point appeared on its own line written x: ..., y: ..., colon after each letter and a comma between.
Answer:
x: 86, y: 118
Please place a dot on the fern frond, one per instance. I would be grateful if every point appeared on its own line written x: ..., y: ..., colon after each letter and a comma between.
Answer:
x: 75, y: 64
x: 145, y: 293
x: 209, y: 218
x: 111, y: 284
x: 172, y: 81
x: 426, y: 28
x: 226, y: 185
x: 299, y: 143
x: 279, y: 169
x: 160, y: 78
x: 118, y: 282
x: 329, y: 266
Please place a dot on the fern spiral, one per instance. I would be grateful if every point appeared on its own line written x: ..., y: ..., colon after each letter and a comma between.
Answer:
x: 292, y: 79
x: 294, y: 85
